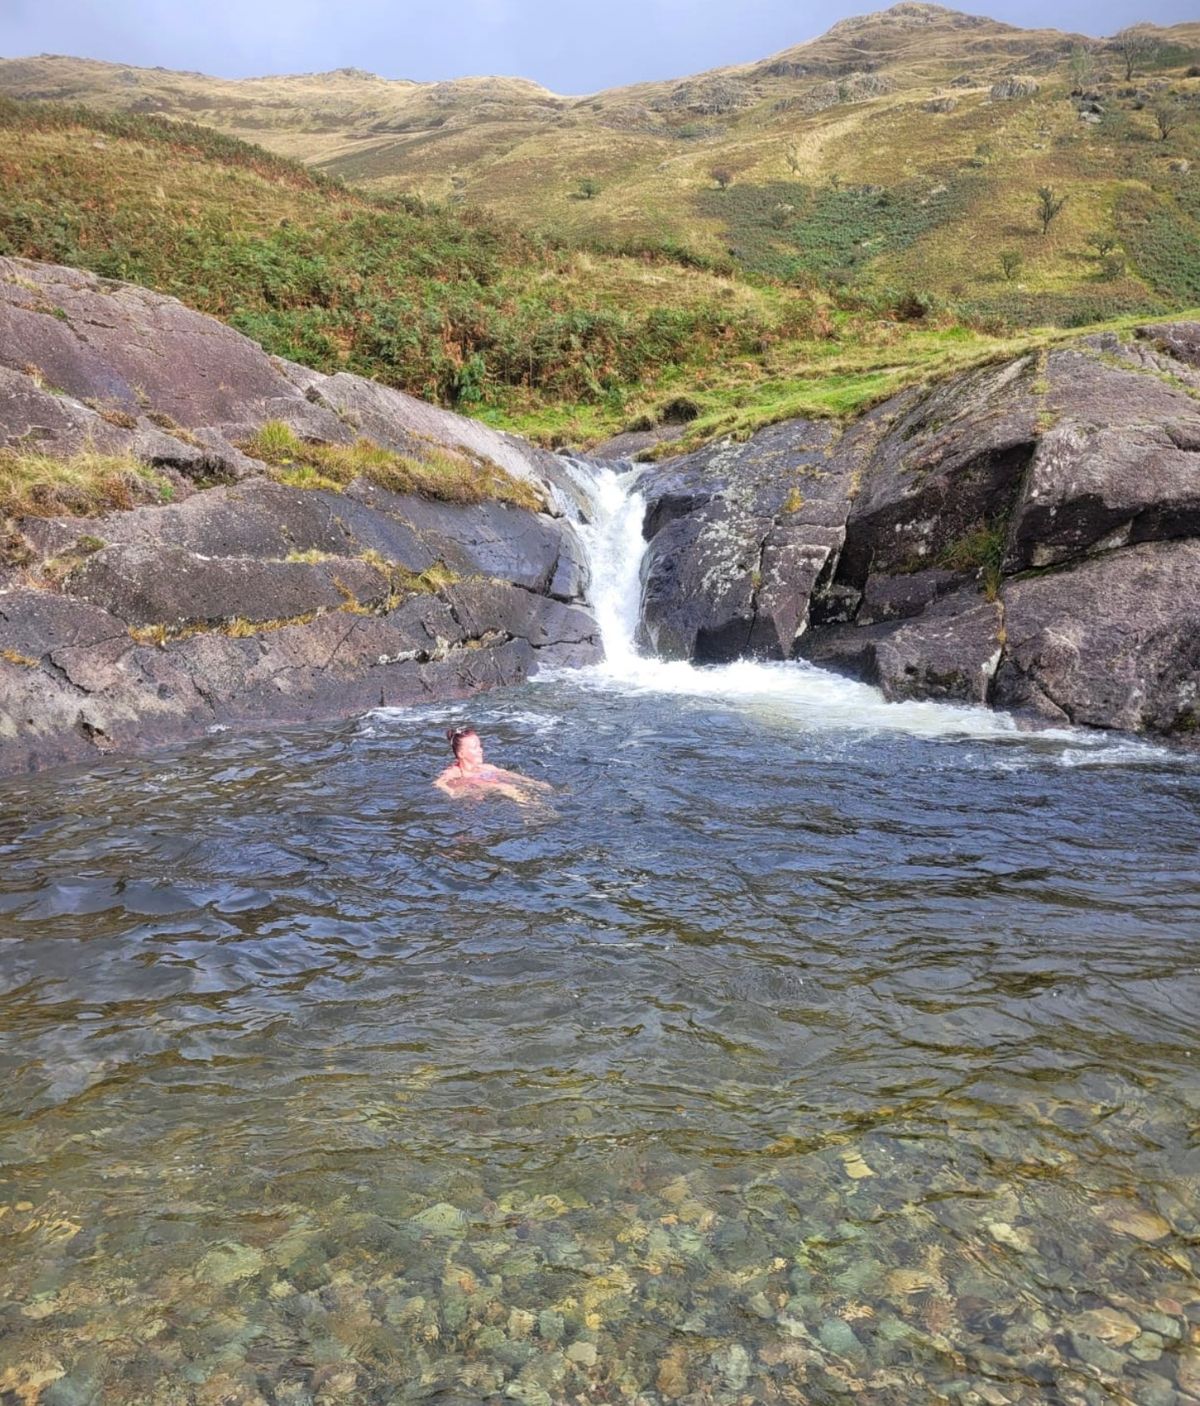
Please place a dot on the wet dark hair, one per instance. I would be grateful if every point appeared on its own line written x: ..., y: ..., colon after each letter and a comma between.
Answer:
x: 455, y: 735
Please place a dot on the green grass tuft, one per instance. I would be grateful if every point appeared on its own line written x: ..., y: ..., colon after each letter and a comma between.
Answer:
x: 81, y: 485
x: 453, y: 478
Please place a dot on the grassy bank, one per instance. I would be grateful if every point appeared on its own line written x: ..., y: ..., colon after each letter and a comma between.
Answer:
x: 452, y: 307
x: 567, y: 344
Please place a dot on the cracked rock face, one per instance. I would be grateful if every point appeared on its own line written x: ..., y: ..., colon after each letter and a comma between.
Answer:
x: 1025, y: 535
x: 738, y: 536
x: 263, y: 603
x: 1113, y: 643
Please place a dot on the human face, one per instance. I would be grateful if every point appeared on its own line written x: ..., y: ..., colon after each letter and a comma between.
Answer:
x: 470, y: 751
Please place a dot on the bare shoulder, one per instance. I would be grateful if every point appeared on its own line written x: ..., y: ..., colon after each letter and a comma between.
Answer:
x: 517, y: 779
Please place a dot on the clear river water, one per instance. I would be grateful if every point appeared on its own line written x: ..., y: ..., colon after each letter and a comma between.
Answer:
x: 800, y: 1048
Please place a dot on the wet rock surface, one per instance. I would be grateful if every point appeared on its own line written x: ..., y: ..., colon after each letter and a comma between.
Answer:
x: 739, y: 535
x: 946, y: 545
x: 1023, y: 535
x: 1114, y: 642
x: 245, y: 600
x: 76, y: 684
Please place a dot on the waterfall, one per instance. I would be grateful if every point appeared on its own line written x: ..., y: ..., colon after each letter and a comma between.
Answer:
x: 608, y: 513
x: 611, y: 532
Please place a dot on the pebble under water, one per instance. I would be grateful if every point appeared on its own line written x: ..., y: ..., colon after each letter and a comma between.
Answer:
x: 787, y: 1055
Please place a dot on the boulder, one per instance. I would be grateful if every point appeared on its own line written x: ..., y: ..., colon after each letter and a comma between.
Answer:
x: 134, y: 353
x: 1118, y: 455
x: 1178, y: 340
x: 913, y: 564
x: 739, y: 535
x: 1093, y: 488
x: 131, y: 349
x: 1113, y: 642
x: 35, y: 420
x: 256, y: 519
x: 483, y: 607
x: 1008, y: 88
x: 629, y: 444
x: 947, y: 464
x: 278, y: 603
x: 796, y: 555
x: 899, y: 597
x: 845, y: 649
x: 950, y: 652
x: 74, y: 684
x: 698, y: 585
x: 533, y: 550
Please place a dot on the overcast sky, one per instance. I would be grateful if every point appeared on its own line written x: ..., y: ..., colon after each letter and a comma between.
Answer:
x: 572, y: 48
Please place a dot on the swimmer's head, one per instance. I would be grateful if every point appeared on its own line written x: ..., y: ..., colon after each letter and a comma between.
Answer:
x: 464, y: 739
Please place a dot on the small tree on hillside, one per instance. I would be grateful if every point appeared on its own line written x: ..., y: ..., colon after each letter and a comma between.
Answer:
x: 1011, y: 263
x: 1166, y: 119
x: 1137, y: 47
x: 1049, y: 206
x: 723, y: 176
x: 1103, y: 241
x: 589, y: 189
x: 1082, y: 67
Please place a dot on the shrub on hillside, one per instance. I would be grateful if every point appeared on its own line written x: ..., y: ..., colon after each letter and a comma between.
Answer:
x: 445, y: 304
x: 1049, y: 207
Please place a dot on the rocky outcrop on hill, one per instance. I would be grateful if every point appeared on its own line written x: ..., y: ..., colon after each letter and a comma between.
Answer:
x: 233, y: 598
x: 1026, y: 535
x: 1008, y: 88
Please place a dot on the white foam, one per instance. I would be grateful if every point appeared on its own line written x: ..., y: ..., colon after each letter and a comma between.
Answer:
x: 796, y: 693
x: 811, y: 697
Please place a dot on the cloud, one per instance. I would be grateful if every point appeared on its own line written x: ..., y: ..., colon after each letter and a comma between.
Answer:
x: 574, y: 48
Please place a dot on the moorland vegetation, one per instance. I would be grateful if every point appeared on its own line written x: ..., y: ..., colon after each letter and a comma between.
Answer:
x: 914, y: 192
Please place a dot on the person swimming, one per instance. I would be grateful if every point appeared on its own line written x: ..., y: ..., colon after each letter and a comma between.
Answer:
x: 470, y: 775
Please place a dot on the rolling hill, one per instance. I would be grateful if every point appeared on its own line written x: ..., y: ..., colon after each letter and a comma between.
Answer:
x: 801, y: 233
x: 903, y: 148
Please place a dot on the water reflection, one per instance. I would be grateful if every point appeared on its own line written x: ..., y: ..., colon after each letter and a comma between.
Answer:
x: 778, y: 1065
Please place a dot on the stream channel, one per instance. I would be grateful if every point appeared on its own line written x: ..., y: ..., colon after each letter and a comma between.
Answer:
x: 801, y: 1048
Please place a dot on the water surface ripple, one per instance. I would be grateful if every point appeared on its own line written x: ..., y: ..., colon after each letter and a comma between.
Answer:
x: 773, y: 1062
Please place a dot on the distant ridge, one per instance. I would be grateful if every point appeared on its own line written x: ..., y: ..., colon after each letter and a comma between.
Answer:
x: 902, y: 148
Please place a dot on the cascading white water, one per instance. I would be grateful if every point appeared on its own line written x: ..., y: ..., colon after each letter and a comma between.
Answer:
x: 796, y: 693
x: 612, y: 536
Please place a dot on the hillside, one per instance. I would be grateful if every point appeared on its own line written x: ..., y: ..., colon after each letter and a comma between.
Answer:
x: 457, y: 309
x: 563, y: 344
x: 878, y: 156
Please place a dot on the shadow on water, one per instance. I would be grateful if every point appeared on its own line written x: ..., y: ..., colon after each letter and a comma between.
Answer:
x: 778, y: 1060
